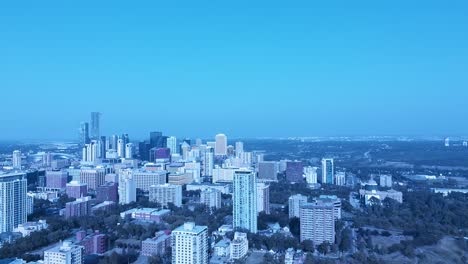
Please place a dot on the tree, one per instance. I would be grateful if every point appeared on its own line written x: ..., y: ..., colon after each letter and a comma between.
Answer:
x: 308, y: 246
x: 268, y: 258
x: 324, y: 248
x: 346, y: 240
x: 295, y: 226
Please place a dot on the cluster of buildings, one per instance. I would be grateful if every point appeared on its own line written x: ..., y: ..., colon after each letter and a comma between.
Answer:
x: 317, y: 217
x: 231, y: 250
x: 146, y: 214
x: 371, y: 193
x: 114, y: 170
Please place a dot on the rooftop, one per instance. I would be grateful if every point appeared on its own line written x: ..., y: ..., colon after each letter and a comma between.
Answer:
x: 152, y: 211
x: 190, y: 227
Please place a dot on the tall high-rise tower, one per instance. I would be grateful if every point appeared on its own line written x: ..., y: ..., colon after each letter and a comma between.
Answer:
x: 245, y: 200
x: 127, y: 187
x: 84, y: 133
x: 13, y: 201
x: 172, y: 144
x: 95, y: 123
x: 239, y: 148
x: 121, y: 148
x: 129, y: 151
x: 221, y: 145
x: 156, y: 140
x: 16, y: 159
x: 318, y: 222
x: 114, y: 141
x: 208, y: 162
x: 328, y: 171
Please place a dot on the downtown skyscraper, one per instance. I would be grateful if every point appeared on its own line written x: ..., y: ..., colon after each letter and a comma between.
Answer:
x: 13, y: 201
x: 245, y: 200
x: 328, y: 171
x: 220, y: 145
x: 157, y: 140
x: 16, y: 159
x: 95, y: 125
x: 84, y: 133
x: 172, y: 144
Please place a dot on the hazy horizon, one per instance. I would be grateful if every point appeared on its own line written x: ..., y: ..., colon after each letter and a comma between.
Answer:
x: 249, y: 70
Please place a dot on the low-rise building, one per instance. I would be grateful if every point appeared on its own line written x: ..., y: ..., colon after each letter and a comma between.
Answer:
x: 165, y: 194
x: 145, y: 214
x: 222, y: 187
x: 29, y: 227
x: 56, y: 179
x: 95, y: 243
x: 447, y: 191
x: 239, y: 246
x: 80, y: 207
x: 67, y: 253
x: 371, y: 193
x: 222, y: 248
x: 75, y: 189
x: 158, y: 245
x: 107, y: 192
x: 106, y: 205
x: 180, y: 178
x: 224, y: 229
x: 211, y: 198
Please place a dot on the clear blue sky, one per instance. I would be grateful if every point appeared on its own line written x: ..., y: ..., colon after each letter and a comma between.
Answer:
x: 245, y: 68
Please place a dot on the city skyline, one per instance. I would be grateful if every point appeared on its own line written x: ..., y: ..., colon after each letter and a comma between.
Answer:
x: 222, y: 132
x: 79, y: 136
x: 260, y: 69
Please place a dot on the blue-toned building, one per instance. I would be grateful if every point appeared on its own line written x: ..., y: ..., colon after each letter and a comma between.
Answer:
x: 245, y: 200
x: 328, y: 171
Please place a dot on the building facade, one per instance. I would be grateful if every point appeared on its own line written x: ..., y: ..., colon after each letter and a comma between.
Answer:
x: 56, y: 179
x: 107, y: 192
x: 165, y: 194
x: 190, y: 244
x: 310, y: 174
x: 221, y: 145
x: 16, y: 160
x: 239, y: 246
x: 93, y: 177
x: 328, y: 171
x: 268, y: 170
x: 211, y: 198
x: 144, y: 179
x: 67, y: 253
x: 317, y: 222
x: 294, y: 171
x: 263, y: 198
x: 245, y: 200
x: 78, y: 208
x: 127, y: 187
x: 76, y: 189
x: 156, y: 246
x: 295, y: 202
x: 13, y: 201
x: 340, y: 178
